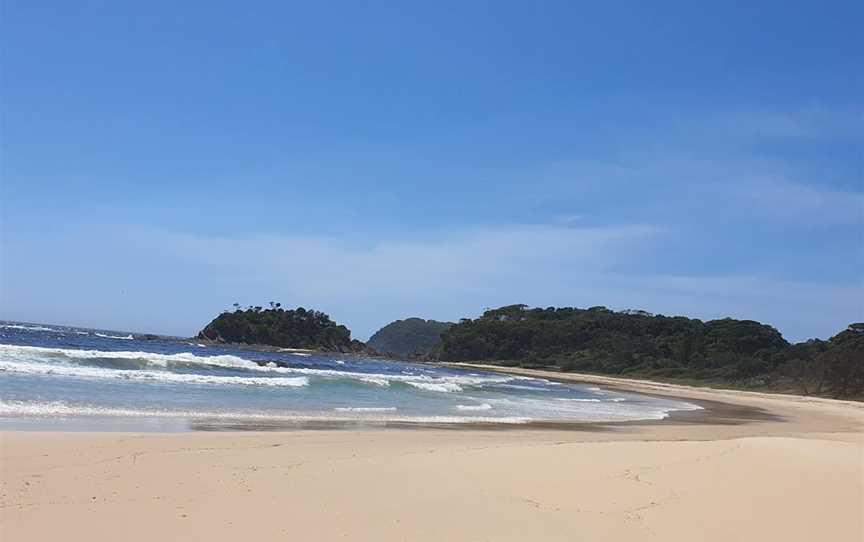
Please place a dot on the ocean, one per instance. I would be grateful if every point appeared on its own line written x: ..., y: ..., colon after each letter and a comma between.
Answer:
x: 66, y: 378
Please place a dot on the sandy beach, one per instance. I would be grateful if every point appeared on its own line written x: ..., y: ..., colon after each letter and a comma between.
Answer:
x: 749, y: 467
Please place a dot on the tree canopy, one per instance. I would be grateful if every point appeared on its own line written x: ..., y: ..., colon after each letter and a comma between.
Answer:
x: 411, y: 337
x: 639, y: 343
x: 298, y: 328
x: 635, y: 343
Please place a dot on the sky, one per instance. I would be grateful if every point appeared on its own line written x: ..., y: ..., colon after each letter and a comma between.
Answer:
x: 160, y: 161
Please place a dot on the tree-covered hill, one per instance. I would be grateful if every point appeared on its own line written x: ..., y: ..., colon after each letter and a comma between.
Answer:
x: 412, y: 337
x: 298, y: 328
x: 638, y: 343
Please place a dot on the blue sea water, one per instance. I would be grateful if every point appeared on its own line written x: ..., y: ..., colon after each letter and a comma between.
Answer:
x: 55, y: 377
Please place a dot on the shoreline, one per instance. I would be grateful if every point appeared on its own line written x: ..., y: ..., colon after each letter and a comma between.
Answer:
x: 727, y: 413
x: 749, y: 467
x: 644, y: 386
x: 706, y: 412
x: 731, y: 413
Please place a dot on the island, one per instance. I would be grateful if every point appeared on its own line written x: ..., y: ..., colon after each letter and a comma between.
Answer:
x: 298, y: 328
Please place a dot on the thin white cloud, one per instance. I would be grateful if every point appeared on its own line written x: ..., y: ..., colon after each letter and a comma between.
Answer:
x: 721, y: 166
x: 132, y: 278
x: 678, y: 174
x: 781, y: 198
x: 471, y: 260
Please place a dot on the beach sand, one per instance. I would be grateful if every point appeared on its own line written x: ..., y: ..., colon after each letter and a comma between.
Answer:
x: 748, y: 467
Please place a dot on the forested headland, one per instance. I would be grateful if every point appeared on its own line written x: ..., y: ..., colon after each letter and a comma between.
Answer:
x: 742, y: 353
x: 738, y: 353
x: 411, y: 337
x: 286, y: 328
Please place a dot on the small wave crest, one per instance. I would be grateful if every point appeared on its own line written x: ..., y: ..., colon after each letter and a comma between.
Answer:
x: 74, y: 362
x: 446, y: 387
x: 59, y: 408
x: 371, y: 379
x: 144, y: 375
x: 526, y: 388
x: 121, y: 337
x: 39, y: 353
x: 484, y: 406
x: 365, y: 409
x: 22, y: 327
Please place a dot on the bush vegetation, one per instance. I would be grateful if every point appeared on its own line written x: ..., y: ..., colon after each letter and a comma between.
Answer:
x: 636, y: 343
x: 298, y: 328
x: 412, y: 337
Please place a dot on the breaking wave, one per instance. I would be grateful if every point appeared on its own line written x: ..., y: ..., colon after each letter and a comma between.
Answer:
x: 365, y: 409
x: 54, y: 378
x: 484, y: 406
x: 445, y: 387
x: 39, y: 353
x: 61, y: 408
x: 123, y: 337
x: 22, y: 327
x: 137, y: 365
x: 99, y: 373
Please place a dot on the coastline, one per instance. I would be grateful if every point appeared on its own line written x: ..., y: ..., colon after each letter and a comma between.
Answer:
x: 751, y: 466
x: 726, y: 413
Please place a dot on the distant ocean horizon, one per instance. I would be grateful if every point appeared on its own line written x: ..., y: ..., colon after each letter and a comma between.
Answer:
x: 61, y: 377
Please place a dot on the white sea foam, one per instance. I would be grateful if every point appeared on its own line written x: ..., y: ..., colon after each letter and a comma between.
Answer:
x: 384, y: 414
x: 372, y: 379
x: 585, y: 409
x: 296, y: 351
x: 483, y: 393
x: 448, y: 383
x: 22, y: 327
x: 145, y: 375
x: 123, y: 337
x: 8, y: 351
x: 484, y: 406
x: 365, y: 409
x: 444, y: 386
x: 59, y: 408
x: 527, y: 388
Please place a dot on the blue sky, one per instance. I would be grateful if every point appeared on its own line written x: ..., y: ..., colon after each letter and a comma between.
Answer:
x: 380, y: 160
